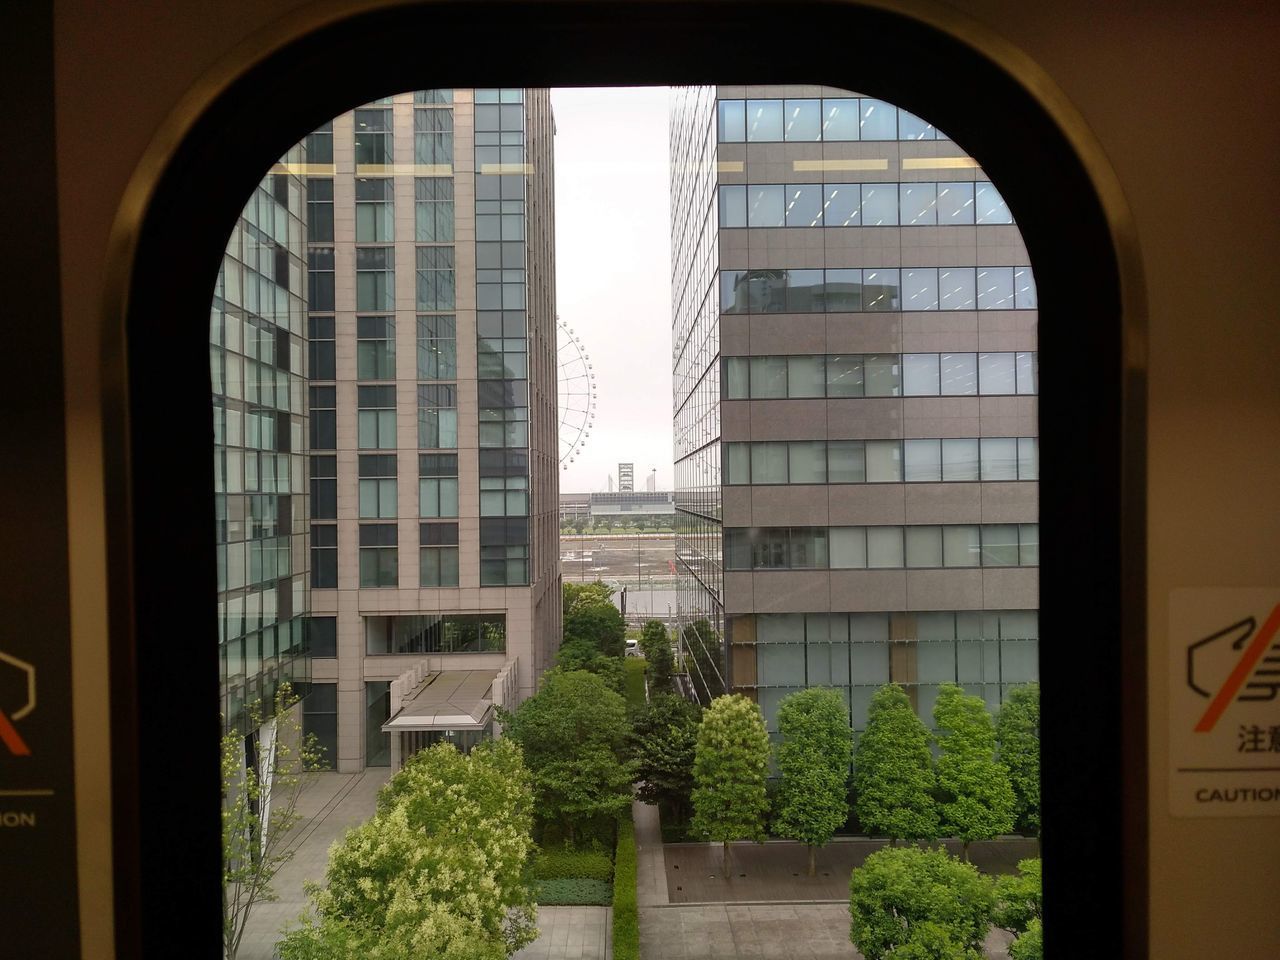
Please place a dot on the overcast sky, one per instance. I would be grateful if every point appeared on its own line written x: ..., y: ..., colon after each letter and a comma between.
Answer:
x: 613, y: 281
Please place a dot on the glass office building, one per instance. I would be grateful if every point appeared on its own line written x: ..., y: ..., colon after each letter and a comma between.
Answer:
x: 855, y: 367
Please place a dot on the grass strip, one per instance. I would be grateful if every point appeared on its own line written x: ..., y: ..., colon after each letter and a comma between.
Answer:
x: 626, y: 922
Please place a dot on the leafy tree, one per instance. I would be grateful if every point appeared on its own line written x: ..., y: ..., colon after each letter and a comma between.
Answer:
x: 656, y: 647
x: 730, y: 761
x: 1029, y: 946
x: 908, y: 902
x: 580, y: 654
x: 893, y: 770
x: 1018, y: 732
x: 260, y: 795
x: 817, y: 746
x: 1019, y: 900
x: 664, y: 736
x: 439, y: 870
x: 589, y: 615
x: 573, y: 734
x: 977, y: 800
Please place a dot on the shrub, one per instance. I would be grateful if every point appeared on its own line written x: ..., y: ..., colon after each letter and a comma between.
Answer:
x: 1019, y: 900
x: 899, y: 890
x: 626, y: 922
x: 573, y: 892
x: 664, y: 734
x: 562, y: 863
x: 1029, y: 946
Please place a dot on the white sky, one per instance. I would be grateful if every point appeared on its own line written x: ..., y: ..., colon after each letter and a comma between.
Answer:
x: 613, y: 279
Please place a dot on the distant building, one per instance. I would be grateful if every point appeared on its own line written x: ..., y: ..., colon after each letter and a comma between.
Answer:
x: 626, y: 477
x: 651, y: 482
x: 654, y: 507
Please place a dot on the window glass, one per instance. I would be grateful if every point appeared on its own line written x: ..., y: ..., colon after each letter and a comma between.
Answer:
x: 911, y: 127
x: 1028, y: 458
x: 999, y: 458
x: 882, y: 375
x: 879, y: 204
x: 731, y: 121
x: 842, y: 204
x: 955, y: 288
x: 769, y: 377
x: 733, y: 206
x: 804, y: 205
x: 960, y: 459
x: 879, y: 120
x: 846, y: 461
x: 737, y: 463
x: 768, y: 463
x: 1000, y: 545
x: 1029, y: 544
x: 959, y: 374
x: 884, y: 461
x: 1025, y: 289
x: 736, y: 378
x: 733, y: 291
x: 780, y: 665
x: 375, y: 348
x: 433, y: 210
x: 804, y: 291
x: 805, y: 376
x: 920, y: 289
x: 765, y: 205
x: 807, y: 548
x: 918, y: 203
x: 808, y: 462
x: 919, y: 374
x: 1026, y: 364
x: 842, y: 291
x: 884, y: 547
x: 935, y: 663
x: 764, y: 121
x: 961, y: 545
x: 996, y: 373
x: 437, y: 348
x: 840, y: 119
x: 923, y: 546
x: 803, y: 119
x: 848, y: 548
x: 990, y: 206
x: 955, y: 203
x: 845, y: 377
x: 921, y: 461
x: 995, y: 288
x: 880, y: 290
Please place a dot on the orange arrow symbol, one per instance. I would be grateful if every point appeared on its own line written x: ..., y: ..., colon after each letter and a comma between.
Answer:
x: 12, y: 739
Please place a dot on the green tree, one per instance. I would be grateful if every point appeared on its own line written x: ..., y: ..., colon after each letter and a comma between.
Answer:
x: 655, y: 644
x: 730, y: 761
x: 580, y: 654
x: 260, y: 792
x: 664, y: 737
x: 905, y: 901
x: 1019, y: 900
x: 440, y: 868
x: 573, y: 732
x: 589, y: 615
x: 1029, y: 946
x: 813, y: 759
x: 893, y: 770
x: 1018, y: 733
x: 977, y: 800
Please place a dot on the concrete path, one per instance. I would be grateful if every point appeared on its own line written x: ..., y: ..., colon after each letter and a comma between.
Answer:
x: 330, y: 805
x: 571, y: 933
x: 651, y: 868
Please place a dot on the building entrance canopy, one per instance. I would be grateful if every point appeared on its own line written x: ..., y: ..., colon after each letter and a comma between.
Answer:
x: 445, y: 700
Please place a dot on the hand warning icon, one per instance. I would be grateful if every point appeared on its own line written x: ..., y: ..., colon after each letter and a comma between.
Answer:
x: 8, y: 732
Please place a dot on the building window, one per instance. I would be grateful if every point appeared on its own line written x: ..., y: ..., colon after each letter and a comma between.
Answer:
x: 375, y: 348
x: 504, y: 483
x: 379, y: 562
x: 320, y: 719
x: 435, y: 280
x: 437, y: 347
x: 324, y: 555
x: 320, y: 348
x: 882, y: 547
x: 433, y: 96
x: 504, y: 552
x: 439, y: 555
x: 324, y: 418
x: 880, y: 375
x: 319, y: 210
x: 437, y: 416
x: 322, y: 636
x: 375, y: 210
x: 436, y: 633
x: 320, y: 278
x: 433, y: 137
x: 504, y: 413
x: 373, y: 138
x: 324, y: 488
x: 377, y: 486
x: 375, y: 278
x: 377, y: 711
x: 376, y: 418
x: 501, y: 356
x: 437, y: 484
x: 433, y: 209
x: 319, y: 144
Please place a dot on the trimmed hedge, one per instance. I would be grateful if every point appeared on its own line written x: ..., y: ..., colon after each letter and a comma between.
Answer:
x: 563, y: 863
x: 573, y: 891
x: 626, y: 923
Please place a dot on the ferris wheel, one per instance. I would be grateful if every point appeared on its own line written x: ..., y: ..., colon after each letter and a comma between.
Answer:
x: 576, y: 393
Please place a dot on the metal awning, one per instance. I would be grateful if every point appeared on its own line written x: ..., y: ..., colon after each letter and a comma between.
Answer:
x: 447, y: 700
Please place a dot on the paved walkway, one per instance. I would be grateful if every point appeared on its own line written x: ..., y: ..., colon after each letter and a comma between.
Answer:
x: 651, y: 868
x: 571, y: 933
x: 329, y: 806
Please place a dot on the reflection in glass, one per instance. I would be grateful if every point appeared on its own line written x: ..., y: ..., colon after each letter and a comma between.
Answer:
x: 803, y: 120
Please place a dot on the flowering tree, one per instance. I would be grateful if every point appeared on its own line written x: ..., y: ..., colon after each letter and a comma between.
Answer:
x: 730, y: 761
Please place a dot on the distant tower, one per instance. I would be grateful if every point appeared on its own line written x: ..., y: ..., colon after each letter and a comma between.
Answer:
x: 626, y: 477
x: 651, y: 481
x: 611, y: 483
